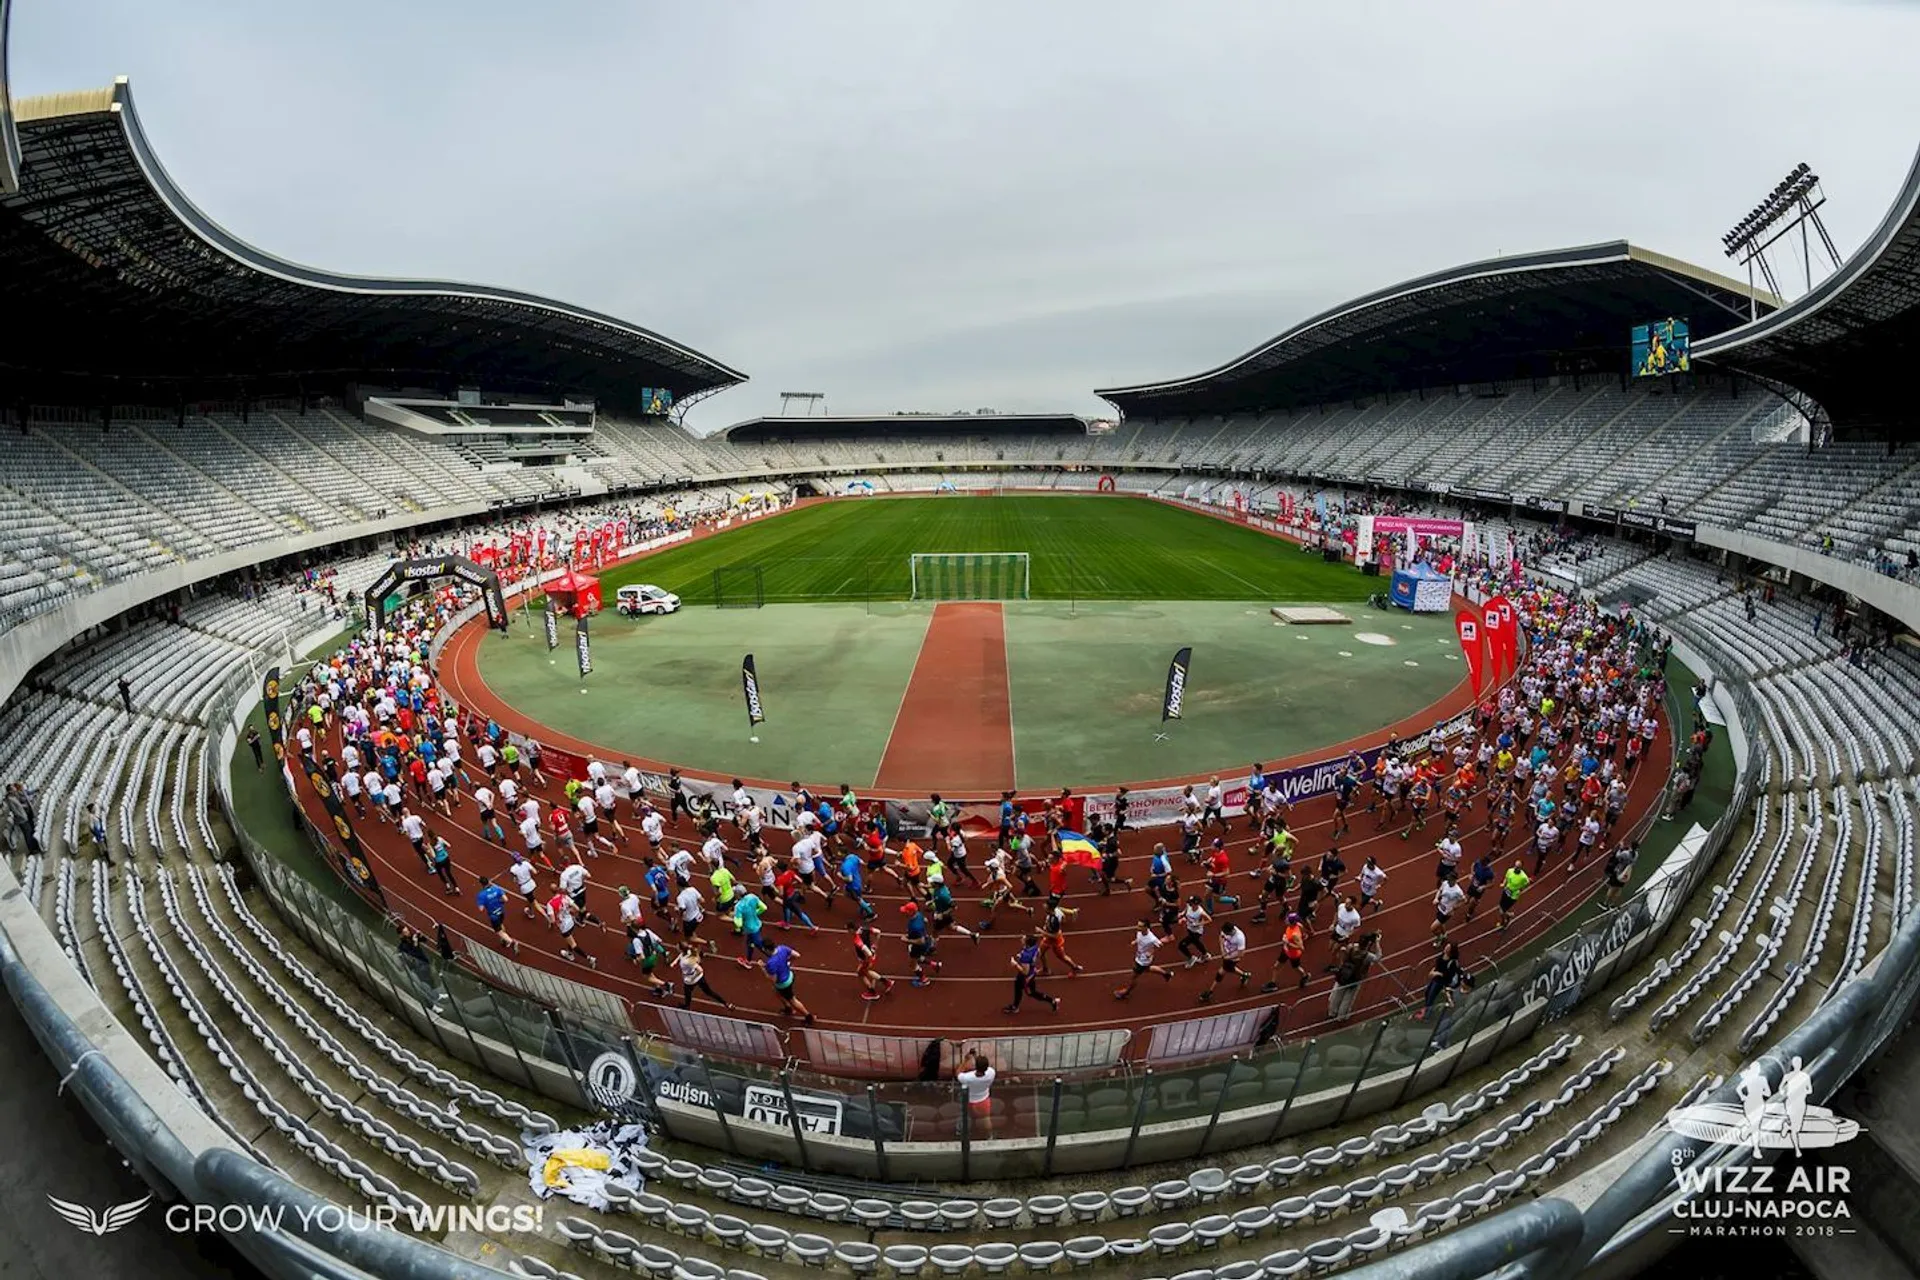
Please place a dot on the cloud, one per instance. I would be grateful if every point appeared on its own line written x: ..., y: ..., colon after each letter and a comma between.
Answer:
x: 988, y: 203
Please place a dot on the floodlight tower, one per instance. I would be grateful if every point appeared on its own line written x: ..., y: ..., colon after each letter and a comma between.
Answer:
x: 807, y: 399
x: 1793, y: 203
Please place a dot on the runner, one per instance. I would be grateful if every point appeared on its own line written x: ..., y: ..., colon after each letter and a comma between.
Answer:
x: 1445, y: 899
x: 1109, y: 873
x: 791, y: 892
x: 522, y: 872
x: 920, y: 944
x: 573, y: 882
x: 1145, y: 943
x: 1233, y: 945
x: 1026, y: 976
x: 492, y: 902
x: 560, y: 911
x: 1219, y: 866
x: 1479, y: 876
x: 779, y: 967
x: 1373, y: 878
x: 693, y: 977
x: 648, y: 950
x: 1194, y: 919
x: 748, y: 916
x: 1512, y: 885
x: 1293, y: 950
x: 866, y: 960
x: 1054, y: 929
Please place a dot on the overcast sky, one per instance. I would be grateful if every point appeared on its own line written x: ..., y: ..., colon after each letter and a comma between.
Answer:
x: 923, y: 204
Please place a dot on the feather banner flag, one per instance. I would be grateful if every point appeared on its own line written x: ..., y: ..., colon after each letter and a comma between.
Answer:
x: 1472, y: 646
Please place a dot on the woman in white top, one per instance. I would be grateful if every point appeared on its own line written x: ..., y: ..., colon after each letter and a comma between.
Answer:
x: 978, y: 1082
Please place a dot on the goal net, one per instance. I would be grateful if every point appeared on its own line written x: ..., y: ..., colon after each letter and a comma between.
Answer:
x: 739, y: 586
x: 989, y: 575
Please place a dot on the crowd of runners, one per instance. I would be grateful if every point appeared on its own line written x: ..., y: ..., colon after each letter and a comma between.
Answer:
x: 1539, y: 778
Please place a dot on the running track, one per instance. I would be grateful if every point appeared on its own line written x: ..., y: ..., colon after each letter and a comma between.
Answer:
x: 966, y: 998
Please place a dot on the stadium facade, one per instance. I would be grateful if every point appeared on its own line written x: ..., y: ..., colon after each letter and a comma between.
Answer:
x: 140, y: 301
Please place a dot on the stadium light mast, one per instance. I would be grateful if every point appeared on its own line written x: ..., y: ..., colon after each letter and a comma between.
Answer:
x: 807, y: 399
x: 1793, y: 204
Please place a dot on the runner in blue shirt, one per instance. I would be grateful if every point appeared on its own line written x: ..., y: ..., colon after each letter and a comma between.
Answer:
x: 662, y: 886
x: 748, y: 911
x: 853, y: 883
x: 492, y: 901
x: 780, y: 969
x: 920, y: 946
x: 1159, y: 868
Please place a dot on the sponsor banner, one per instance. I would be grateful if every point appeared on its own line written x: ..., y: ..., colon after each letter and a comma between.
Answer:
x: 1606, y: 515
x: 817, y: 1112
x: 1176, y: 694
x: 1503, y: 635
x: 750, y: 689
x: 1419, y: 526
x: 1496, y: 497
x: 348, y: 853
x: 270, y: 700
x: 1679, y: 530
x: 1550, y: 506
x: 582, y: 646
x: 557, y: 762
x: 1638, y: 520
x: 404, y: 571
x: 1563, y: 972
x: 1473, y: 648
x: 553, y: 628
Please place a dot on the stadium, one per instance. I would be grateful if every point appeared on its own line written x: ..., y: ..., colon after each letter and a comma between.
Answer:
x: 1108, y: 788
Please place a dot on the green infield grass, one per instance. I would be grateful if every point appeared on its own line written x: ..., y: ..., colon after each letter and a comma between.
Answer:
x: 1084, y: 547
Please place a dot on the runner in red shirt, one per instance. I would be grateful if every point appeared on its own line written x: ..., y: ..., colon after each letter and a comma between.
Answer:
x: 866, y: 960
x: 563, y: 832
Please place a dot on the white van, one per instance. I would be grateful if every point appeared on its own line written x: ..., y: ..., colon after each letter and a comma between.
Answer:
x: 644, y: 597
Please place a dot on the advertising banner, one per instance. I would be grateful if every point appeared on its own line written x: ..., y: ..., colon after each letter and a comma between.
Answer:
x: 750, y: 689
x: 1176, y: 694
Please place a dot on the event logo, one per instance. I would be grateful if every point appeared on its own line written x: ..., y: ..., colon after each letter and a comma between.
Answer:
x: 107, y: 1221
x: 1754, y: 1199
x: 612, y: 1080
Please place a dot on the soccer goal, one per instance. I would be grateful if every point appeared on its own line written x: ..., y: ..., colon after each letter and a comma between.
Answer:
x: 989, y: 575
x: 739, y: 586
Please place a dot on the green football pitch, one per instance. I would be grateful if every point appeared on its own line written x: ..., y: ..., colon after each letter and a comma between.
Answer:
x: 1117, y: 585
x: 1080, y: 547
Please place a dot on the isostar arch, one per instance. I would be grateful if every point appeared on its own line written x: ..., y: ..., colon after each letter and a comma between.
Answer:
x: 401, y: 572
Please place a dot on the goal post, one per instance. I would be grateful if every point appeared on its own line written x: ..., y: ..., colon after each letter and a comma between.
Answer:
x: 970, y: 575
x: 739, y: 586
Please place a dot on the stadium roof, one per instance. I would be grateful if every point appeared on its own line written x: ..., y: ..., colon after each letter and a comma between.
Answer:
x: 1852, y: 342
x: 9, y: 140
x: 1527, y: 315
x: 957, y: 425
x: 124, y: 292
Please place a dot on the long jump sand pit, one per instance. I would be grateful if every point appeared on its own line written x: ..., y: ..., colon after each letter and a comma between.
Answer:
x: 1310, y: 615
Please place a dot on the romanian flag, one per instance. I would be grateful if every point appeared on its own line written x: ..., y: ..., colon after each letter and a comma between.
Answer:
x: 1078, y: 850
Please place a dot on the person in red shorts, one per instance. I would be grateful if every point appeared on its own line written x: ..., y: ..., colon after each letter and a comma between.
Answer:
x: 1053, y: 933
x: 866, y: 960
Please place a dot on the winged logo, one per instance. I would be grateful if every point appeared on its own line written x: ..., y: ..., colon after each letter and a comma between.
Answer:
x: 108, y: 1220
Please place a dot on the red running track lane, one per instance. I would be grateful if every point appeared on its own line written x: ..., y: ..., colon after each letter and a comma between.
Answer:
x: 966, y: 997
x: 954, y: 728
